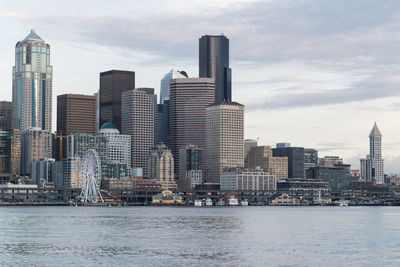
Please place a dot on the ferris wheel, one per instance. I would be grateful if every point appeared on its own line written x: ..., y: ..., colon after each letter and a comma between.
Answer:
x: 91, y: 178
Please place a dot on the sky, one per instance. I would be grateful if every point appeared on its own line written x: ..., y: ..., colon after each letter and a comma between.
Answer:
x: 317, y: 74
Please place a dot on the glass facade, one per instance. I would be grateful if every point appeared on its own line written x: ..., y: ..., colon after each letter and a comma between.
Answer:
x: 32, y: 84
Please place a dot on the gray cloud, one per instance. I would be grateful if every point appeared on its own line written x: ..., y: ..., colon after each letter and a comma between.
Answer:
x: 375, y: 87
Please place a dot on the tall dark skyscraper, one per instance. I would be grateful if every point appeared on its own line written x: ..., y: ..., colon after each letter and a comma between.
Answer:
x: 112, y: 84
x: 214, y: 63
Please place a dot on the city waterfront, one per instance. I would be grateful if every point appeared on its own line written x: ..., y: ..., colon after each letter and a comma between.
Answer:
x: 215, y: 236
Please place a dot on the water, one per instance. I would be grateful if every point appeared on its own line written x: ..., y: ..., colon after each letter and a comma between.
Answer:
x: 219, y: 236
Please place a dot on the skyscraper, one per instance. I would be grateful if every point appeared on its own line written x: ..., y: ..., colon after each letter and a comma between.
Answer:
x: 214, y: 63
x: 188, y: 101
x: 225, y: 140
x: 161, y: 166
x: 295, y: 157
x: 32, y: 84
x: 261, y: 156
x: 76, y: 114
x: 35, y: 145
x: 5, y: 115
x: 372, y: 166
x: 165, y: 83
x: 138, y: 122
x: 112, y: 84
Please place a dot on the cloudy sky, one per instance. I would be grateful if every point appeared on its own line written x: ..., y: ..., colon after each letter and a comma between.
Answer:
x: 313, y: 73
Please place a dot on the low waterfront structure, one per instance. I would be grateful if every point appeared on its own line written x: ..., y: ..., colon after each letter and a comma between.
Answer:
x: 167, y: 197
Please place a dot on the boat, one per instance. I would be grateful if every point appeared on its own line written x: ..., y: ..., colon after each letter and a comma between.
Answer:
x: 209, y: 202
x: 221, y: 203
x: 233, y: 201
x: 198, y: 203
x: 244, y: 202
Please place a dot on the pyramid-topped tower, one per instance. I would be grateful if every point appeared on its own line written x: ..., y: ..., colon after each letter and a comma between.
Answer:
x: 372, y: 166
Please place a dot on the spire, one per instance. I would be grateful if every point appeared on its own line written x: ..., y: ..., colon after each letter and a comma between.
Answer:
x: 375, y: 132
x: 33, y: 37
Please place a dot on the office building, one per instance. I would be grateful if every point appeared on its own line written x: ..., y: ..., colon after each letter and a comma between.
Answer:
x: 138, y: 122
x: 161, y: 167
x: 35, y: 146
x: 32, y: 84
x: 338, y: 175
x: 161, y: 124
x: 214, y: 63
x: 372, y: 166
x: 76, y: 114
x: 5, y: 115
x: 191, y: 164
x: 42, y: 172
x: 119, y: 148
x: 295, y: 157
x: 80, y: 143
x: 112, y: 84
x: 10, y: 153
x: 72, y: 172
x: 310, y: 158
x: 261, y: 157
x: 239, y: 179
x: 330, y: 161
x: 224, y: 148
x: 165, y: 83
x: 188, y: 101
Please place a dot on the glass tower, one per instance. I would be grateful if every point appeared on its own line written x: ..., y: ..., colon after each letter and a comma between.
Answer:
x: 32, y: 84
x: 214, y: 63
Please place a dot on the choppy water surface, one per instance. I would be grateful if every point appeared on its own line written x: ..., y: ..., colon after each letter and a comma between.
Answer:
x: 161, y: 236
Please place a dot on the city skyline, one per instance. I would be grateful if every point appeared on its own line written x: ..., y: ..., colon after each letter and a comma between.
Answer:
x: 330, y: 79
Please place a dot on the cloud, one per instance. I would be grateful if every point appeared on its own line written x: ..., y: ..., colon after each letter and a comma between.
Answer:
x: 379, y: 86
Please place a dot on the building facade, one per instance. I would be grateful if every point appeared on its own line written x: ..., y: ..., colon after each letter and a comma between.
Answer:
x: 79, y: 144
x: 224, y: 148
x: 76, y: 114
x: 191, y: 163
x: 161, y: 124
x: 35, y: 146
x: 261, y: 156
x: 138, y: 122
x: 214, y: 63
x: 5, y: 115
x: 239, y: 179
x: 310, y: 158
x: 165, y: 83
x: 112, y: 84
x: 188, y: 101
x: 295, y: 157
x: 32, y: 84
x: 119, y: 147
x: 161, y: 167
x: 10, y: 153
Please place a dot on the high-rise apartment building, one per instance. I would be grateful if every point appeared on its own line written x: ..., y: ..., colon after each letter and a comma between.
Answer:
x: 261, y: 157
x: 5, y: 115
x: 35, y: 146
x: 295, y: 157
x: 112, y: 84
x: 76, y: 114
x: 138, y: 122
x: 165, y: 83
x: 214, y: 63
x: 372, y: 166
x: 188, y: 101
x: 161, y: 167
x: 225, y: 148
x: 32, y: 84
